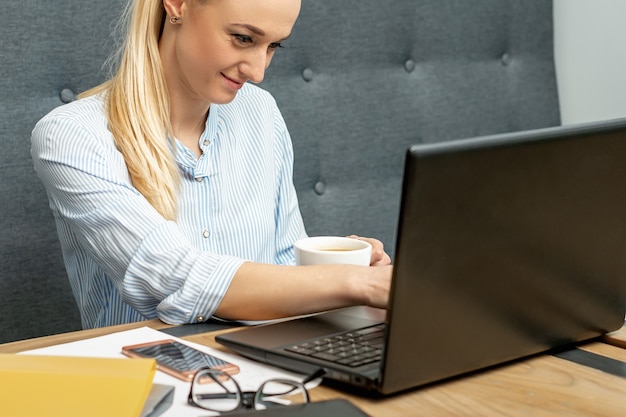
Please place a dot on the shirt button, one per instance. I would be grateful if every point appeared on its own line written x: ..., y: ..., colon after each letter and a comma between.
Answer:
x: 200, y: 179
x: 206, y: 234
x: 206, y: 142
x: 200, y: 319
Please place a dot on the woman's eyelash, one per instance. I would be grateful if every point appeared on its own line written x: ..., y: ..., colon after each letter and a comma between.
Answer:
x: 245, y: 39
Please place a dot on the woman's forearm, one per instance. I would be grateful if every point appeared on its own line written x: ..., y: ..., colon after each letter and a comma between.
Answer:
x: 263, y: 292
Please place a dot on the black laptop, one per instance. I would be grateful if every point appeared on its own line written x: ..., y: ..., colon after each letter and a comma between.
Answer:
x: 507, y: 246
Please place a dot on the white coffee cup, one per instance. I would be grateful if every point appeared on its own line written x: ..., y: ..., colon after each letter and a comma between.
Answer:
x: 320, y: 250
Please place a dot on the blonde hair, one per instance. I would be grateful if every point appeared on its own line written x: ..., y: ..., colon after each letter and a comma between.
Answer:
x: 137, y: 107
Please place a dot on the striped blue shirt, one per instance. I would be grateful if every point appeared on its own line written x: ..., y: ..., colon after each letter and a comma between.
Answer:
x: 127, y: 263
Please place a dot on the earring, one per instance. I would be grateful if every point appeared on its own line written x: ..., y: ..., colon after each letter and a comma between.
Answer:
x: 174, y: 20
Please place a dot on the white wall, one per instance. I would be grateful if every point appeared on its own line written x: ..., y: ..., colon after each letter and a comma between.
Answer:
x: 590, y: 49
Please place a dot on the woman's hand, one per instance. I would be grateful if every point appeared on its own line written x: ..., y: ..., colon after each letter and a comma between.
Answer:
x: 379, y: 256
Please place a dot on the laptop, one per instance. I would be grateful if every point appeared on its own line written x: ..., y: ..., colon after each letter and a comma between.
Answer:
x: 507, y: 246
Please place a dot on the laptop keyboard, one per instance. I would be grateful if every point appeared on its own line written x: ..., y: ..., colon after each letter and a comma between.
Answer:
x: 352, y: 348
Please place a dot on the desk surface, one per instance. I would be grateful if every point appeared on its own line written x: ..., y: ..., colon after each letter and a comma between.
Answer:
x: 541, y: 386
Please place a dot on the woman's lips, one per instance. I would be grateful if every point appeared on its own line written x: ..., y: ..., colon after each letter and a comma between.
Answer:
x: 233, y: 84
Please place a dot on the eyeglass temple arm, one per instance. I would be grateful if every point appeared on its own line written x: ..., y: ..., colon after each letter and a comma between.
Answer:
x: 317, y: 374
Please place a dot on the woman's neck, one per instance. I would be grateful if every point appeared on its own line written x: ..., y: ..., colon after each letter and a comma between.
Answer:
x: 188, y: 125
x: 188, y: 114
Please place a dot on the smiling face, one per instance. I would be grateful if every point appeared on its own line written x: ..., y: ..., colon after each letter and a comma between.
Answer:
x: 218, y: 45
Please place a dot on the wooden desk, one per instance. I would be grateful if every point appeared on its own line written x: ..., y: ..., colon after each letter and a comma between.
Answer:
x: 540, y: 386
x: 617, y: 338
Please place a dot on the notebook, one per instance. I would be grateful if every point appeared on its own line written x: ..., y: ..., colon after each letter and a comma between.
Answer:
x: 507, y: 246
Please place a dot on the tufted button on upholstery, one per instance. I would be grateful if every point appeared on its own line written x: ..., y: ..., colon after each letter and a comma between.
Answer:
x: 409, y: 65
x: 505, y: 59
x: 67, y: 95
x: 320, y: 188
x: 307, y: 74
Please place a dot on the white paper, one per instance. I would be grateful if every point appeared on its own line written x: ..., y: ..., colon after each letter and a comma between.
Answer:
x: 251, y: 376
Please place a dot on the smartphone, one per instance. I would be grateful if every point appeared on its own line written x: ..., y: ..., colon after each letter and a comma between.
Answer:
x: 177, y: 359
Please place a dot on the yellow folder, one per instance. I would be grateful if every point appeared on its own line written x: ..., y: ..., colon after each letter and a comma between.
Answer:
x: 73, y: 386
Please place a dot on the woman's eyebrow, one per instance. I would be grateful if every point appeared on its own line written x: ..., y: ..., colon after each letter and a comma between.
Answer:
x: 251, y: 28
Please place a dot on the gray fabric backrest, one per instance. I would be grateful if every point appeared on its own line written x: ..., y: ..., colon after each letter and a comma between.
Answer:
x: 359, y: 81
x: 49, y: 51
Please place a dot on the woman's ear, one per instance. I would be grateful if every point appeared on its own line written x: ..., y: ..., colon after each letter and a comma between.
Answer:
x: 173, y: 7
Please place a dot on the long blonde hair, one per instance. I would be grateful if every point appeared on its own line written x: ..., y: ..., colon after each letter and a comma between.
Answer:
x: 137, y: 107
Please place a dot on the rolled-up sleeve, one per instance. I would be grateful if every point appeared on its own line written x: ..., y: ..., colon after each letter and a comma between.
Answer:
x: 187, y: 284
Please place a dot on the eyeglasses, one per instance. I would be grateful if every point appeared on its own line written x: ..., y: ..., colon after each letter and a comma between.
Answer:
x: 217, y: 391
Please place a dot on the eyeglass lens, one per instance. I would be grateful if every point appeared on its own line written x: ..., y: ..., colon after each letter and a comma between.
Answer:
x: 219, y: 392
x: 215, y: 391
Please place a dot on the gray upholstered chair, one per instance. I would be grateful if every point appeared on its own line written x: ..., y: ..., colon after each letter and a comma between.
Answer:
x: 358, y: 82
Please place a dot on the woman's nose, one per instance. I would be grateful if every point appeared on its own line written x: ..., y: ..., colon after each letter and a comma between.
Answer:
x: 255, y: 67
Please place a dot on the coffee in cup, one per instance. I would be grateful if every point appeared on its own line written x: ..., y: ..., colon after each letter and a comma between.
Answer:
x: 320, y: 250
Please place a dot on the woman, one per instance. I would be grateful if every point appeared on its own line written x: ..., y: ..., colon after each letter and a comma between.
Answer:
x: 171, y: 184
